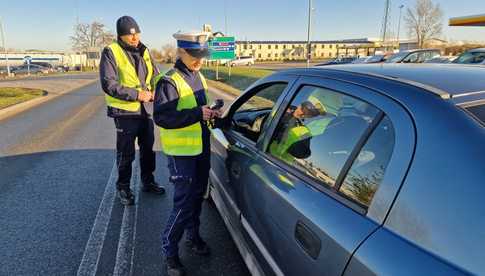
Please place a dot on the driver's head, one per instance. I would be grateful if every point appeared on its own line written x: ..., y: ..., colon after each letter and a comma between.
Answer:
x: 308, y: 110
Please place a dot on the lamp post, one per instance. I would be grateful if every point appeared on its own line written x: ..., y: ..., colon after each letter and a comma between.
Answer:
x: 4, y: 47
x: 399, y: 25
x: 309, y: 50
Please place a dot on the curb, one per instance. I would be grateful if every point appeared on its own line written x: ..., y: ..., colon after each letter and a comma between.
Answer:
x: 23, y: 106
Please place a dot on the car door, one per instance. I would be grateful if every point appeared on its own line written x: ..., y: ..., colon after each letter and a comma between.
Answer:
x: 305, y: 212
x: 233, y: 144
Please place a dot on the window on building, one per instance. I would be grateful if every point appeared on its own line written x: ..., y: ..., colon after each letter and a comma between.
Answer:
x: 367, y: 171
x: 269, y: 55
x: 269, y: 46
x: 276, y: 55
x: 276, y: 46
x: 284, y: 46
x: 245, y: 47
x: 319, y: 131
x: 259, y: 55
x: 259, y: 47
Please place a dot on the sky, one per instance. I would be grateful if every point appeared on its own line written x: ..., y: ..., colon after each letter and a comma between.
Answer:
x: 47, y: 24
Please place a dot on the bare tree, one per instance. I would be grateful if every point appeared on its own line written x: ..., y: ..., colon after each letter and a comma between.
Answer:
x: 424, y: 21
x: 169, y: 53
x: 94, y: 35
x: 156, y: 54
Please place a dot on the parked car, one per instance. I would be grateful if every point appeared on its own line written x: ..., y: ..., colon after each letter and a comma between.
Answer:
x: 336, y: 61
x: 474, y: 56
x: 32, y: 69
x: 355, y: 170
x: 361, y: 60
x: 441, y: 59
x: 46, y: 65
x: 414, y: 56
x: 243, y: 60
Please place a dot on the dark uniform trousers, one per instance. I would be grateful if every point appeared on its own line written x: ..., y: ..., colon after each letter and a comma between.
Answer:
x: 189, y: 175
x: 127, y: 130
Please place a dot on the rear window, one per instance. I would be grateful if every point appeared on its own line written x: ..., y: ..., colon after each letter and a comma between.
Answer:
x: 478, y: 112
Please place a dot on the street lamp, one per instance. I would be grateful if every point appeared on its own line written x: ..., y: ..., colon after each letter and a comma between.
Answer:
x: 309, y: 50
x: 4, y: 47
x: 399, y: 25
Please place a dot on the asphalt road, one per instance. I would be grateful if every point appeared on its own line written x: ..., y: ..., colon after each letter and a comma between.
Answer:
x: 59, y: 213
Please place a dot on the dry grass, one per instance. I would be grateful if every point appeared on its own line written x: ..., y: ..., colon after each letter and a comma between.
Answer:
x: 14, y: 95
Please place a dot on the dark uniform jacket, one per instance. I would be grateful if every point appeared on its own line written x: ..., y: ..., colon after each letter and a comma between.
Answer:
x: 165, y: 113
x: 109, y: 80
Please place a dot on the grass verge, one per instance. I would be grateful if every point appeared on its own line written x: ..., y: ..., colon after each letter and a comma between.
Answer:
x: 14, y: 95
x: 240, y: 79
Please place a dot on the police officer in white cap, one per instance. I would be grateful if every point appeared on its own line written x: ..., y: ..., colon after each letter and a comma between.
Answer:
x: 181, y: 111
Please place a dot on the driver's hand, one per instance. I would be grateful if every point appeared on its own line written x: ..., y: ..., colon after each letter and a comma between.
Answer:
x: 217, y: 113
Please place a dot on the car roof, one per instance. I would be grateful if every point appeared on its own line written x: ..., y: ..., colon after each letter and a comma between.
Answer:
x: 446, y: 80
x: 476, y: 50
x: 417, y: 50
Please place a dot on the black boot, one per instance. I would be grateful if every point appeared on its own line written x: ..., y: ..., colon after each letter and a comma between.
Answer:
x: 153, y: 187
x: 174, y: 266
x: 198, y: 247
x: 126, y: 196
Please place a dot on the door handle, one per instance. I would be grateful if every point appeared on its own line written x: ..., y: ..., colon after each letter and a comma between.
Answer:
x: 236, y: 171
x: 308, y: 240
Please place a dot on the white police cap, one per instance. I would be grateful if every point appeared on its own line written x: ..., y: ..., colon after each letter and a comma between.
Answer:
x: 194, y: 43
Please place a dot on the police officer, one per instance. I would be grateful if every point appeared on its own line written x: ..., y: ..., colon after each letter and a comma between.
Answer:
x: 181, y: 111
x: 126, y: 73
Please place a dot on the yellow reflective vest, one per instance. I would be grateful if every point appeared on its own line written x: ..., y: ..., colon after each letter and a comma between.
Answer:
x: 186, y: 141
x: 128, y: 77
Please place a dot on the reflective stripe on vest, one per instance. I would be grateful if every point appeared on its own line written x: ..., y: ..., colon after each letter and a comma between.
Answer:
x: 128, y: 77
x: 185, y: 141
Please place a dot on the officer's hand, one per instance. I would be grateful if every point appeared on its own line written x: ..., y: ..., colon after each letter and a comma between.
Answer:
x: 144, y: 96
x: 207, y: 113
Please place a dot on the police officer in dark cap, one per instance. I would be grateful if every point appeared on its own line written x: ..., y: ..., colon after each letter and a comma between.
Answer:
x: 181, y: 110
x: 126, y: 73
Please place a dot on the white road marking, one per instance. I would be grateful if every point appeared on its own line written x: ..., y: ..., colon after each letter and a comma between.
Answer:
x: 126, y: 244
x: 94, y: 246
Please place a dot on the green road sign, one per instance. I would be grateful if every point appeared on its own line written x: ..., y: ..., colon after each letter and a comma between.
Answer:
x: 222, y: 48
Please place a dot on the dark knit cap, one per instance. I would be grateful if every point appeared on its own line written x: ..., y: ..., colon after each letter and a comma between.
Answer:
x: 127, y: 25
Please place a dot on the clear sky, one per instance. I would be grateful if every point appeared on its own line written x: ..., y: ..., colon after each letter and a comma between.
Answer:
x: 48, y: 24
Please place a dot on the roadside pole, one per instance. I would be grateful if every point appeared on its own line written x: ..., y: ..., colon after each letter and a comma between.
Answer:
x: 4, y: 47
x: 309, y: 46
x: 217, y: 69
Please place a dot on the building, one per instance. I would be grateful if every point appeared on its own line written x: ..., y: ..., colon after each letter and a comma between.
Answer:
x: 296, y: 50
x: 472, y: 20
x: 72, y: 60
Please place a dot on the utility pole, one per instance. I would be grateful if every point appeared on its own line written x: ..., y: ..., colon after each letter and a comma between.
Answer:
x: 399, y: 26
x: 4, y: 47
x: 309, y: 46
x: 225, y: 18
x: 385, y: 21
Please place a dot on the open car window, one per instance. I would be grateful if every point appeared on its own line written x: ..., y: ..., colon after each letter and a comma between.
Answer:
x: 249, y: 118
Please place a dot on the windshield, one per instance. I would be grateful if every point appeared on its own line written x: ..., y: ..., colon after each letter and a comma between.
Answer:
x: 471, y: 58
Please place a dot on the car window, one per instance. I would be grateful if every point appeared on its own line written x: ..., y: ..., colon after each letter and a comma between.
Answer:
x: 366, y: 173
x: 319, y: 130
x: 251, y: 116
x: 471, y: 58
x: 478, y: 112
x: 413, y: 58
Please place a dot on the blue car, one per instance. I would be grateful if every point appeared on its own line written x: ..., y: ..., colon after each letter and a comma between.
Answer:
x: 356, y: 170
